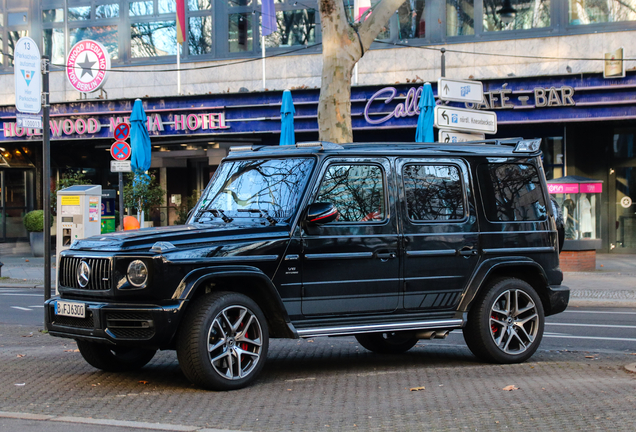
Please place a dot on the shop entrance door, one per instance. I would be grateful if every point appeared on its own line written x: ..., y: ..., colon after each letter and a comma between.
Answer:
x: 16, y: 200
x: 622, y: 193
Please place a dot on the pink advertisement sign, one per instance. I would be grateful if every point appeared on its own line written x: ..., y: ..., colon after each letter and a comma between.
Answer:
x: 592, y: 188
x: 559, y: 188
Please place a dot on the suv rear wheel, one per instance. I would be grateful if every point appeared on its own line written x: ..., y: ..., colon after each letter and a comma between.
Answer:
x: 223, y: 341
x: 114, y: 359
x: 387, y: 342
x: 505, y: 325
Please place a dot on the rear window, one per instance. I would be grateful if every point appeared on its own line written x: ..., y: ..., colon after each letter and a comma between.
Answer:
x: 511, y: 192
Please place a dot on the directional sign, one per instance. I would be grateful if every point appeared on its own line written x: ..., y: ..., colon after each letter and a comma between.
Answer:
x: 120, y: 166
x: 122, y: 131
x: 460, y: 90
x: 120, y: 150
x: 465, y: 120
x: 448, y: 136
x: 28, y: 76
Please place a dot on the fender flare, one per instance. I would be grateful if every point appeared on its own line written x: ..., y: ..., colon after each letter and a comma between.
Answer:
x: 197, y: 278
x: 487, y: 267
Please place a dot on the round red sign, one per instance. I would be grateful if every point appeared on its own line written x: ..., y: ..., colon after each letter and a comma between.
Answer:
x: 120, y: 150
x: 87, y: 66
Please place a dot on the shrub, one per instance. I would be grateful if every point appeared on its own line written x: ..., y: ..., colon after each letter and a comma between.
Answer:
x: 34, y: 221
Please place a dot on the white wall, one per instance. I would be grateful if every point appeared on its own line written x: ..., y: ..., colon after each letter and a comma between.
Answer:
x: 378, y: 67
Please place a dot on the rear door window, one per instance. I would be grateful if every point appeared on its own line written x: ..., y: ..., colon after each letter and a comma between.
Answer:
x: 433, y: 193
x: 512, y: 192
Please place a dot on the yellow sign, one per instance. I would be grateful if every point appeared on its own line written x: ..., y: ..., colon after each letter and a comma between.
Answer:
x: 614, y: 64
x: 71, y: 200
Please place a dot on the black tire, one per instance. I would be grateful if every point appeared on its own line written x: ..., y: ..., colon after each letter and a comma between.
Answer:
x: 216, y: 320
x: 387, y: 342
x: 500, y: 332
x: 114, y: 359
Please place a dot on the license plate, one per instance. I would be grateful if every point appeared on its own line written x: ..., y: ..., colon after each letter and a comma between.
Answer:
x: 70, y: 309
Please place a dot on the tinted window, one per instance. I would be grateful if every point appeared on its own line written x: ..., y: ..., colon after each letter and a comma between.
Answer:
x: 512, y: 192
x: 433, y: 192
x: 356, y: 190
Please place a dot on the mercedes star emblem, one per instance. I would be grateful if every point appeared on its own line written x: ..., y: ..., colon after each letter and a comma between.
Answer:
x: 83, y: 274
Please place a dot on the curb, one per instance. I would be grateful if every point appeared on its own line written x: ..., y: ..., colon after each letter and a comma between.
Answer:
x: 104, y: 422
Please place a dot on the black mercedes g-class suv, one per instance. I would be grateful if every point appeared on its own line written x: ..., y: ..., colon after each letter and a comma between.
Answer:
x: 390, y: 243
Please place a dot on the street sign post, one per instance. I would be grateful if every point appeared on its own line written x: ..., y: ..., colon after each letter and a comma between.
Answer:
x: 28, y: 76
x: 460, y: 90
x: 449, y: 136
x: 120, y: 166
x: 121, y: 151
x: 467, y: 120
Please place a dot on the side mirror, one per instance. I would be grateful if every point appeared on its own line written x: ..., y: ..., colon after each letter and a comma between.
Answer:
x: 321, y: 213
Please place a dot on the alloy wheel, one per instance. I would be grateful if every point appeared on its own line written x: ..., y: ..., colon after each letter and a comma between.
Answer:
x: 514, y: 321
x: 235, y: 342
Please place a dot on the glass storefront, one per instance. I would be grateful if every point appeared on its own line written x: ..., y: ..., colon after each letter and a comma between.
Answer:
x: 623, y: 193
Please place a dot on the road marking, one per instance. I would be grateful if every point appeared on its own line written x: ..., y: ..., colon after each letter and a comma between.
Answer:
x: 600, y: 312
x: 590, y: 338
x: 22, y: 308
x: 37, y: 306
x: 592, y: 325
x: 25, y: 295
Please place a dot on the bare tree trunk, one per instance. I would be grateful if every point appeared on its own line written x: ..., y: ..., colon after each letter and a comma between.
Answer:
x: 341, y: 50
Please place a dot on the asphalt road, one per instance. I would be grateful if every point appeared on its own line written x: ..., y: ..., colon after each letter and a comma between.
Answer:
x: 595, y: 329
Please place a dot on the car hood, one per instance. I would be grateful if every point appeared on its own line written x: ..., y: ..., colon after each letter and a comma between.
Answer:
x: 180, y: 236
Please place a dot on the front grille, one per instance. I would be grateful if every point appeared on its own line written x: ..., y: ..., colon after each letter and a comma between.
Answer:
x: 99, y: 277
x: 65, y: 321
x: 130, y: 325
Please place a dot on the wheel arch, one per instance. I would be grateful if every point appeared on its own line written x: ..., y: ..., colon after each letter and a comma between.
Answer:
x: 246, y: 280
x: 521, y: 268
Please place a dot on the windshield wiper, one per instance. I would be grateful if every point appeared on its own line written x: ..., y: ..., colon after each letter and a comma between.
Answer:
x: 216, y: 213
x: 263, y: 213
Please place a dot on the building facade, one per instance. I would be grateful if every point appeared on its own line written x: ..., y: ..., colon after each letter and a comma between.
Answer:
x: 542, y: 75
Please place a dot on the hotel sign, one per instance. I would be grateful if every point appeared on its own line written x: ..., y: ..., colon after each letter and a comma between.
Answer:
x: 86, y: 126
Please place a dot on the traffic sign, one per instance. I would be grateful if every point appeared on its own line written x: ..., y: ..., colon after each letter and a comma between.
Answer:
x: 465, y: 119
x: 120, y: 150
x: 120, y: 166
x: 28, y: 76
x: 122, y: 132
x: 460, y: 90
x: 449, y: 136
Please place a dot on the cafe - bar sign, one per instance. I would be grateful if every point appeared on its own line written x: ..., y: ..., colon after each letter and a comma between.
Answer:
x: 87, y: 66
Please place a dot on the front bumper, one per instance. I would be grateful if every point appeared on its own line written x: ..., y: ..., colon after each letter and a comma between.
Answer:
x: 558, y: 298
x: 122, y: 324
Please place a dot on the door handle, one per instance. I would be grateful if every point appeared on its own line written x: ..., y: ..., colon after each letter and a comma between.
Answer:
x: 467, y: 251
x: 386, y: 255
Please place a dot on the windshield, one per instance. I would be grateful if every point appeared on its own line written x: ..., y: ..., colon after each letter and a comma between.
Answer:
x: 254, y: 188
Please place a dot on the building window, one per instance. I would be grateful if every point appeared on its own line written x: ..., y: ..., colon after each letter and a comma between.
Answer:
x: 153, y: 29
x: 411, y: 19
x: 106, y: 35
x: 295, y: 27
x: 530, y: 14
x: 200, y: 40
x: 583, y: 12
x: 460, y: 17
x: 240, y: 29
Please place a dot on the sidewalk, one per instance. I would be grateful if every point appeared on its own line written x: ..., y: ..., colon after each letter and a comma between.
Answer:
x: 613, y: 284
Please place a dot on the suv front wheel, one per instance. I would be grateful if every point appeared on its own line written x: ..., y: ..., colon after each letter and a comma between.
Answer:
x: 505, y: 325
x: 223, y: 341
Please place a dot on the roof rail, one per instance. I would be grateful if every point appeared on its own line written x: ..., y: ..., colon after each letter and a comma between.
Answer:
x: 242, y: 148
x: 324, y: 145
x: 500, y: 141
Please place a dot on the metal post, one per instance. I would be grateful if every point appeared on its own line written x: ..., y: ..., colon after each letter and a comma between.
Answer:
x: 121, y: 201
x: 46, y: 176
x: 443, y: 50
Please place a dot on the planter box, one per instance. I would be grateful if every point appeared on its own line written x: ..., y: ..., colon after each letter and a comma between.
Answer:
x: 36, y: 239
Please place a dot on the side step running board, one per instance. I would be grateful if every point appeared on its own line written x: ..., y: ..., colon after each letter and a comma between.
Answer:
x: 375, y: 328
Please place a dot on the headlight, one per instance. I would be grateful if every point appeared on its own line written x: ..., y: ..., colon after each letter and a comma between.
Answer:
x: 137, y: 273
